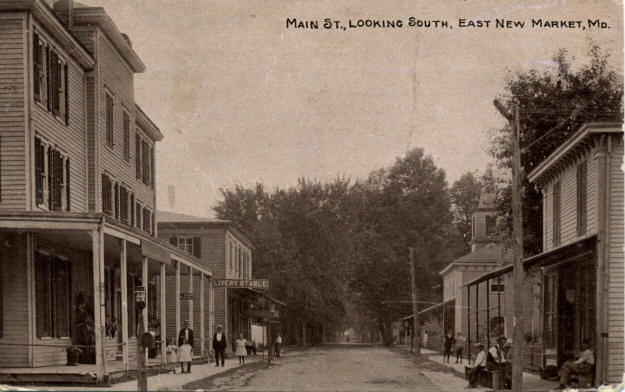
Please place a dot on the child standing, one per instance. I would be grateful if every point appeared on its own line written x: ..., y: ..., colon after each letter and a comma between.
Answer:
x: 172, y: 355
x: 241, y: 352
x: 184, y: 355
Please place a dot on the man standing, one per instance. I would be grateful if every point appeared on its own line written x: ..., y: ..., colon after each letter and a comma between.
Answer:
x: 278, y: 344
x: 187, y: 334
x: 219, y: 346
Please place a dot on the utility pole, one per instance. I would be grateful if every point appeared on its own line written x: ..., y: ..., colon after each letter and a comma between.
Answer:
x: 415, y: 318
x: 517, y: 231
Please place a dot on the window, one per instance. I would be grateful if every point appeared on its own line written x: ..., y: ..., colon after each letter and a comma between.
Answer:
x: 497, y: 287
x: 138, y: 155
x: 109, y: 121
x: 139, y: 217
x: 107, y: 197
x: 146, y: 220
x: 52, y: 177
x: 491, y: 225
x: 581, y: 199
x: 190, y: 245
x: 132, y: 209
x: 550, y: 298
x: 556, y: 214
x: 123, y: 204
x: 126, y: 141
x: 52, y: 290
x: 116, y: 196
x: 50, y: 79
x: 145, y: 152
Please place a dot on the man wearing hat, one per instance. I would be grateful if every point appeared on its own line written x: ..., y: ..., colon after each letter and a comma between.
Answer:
x: 478, y: 366
x: 495, y: 360
x: 219, y: 346
x: 187, y: 334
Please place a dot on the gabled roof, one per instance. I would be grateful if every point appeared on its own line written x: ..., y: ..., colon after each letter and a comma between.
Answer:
x: 174, y: 220
x: 493, y: 254
x: 568, y: 147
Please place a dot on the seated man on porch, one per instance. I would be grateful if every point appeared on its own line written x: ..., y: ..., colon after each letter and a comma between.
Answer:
x: 496, y: 360
x: 582, y: 366
x: 478, y: 366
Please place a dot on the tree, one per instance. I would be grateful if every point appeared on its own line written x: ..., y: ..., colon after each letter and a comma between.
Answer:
x: 465, y: 197
x: 553, y: 105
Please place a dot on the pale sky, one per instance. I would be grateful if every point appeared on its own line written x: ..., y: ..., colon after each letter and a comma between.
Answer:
x: 242, y: 99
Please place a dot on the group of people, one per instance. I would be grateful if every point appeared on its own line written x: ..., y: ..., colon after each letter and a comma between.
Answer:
x: 453, y: 345
x: 495, y: 360
x: 183, y: 352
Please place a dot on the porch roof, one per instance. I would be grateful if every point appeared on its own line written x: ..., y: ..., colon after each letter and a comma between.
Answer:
x: 431, y: 308
x: 87, y: 221
x: 546, y: 258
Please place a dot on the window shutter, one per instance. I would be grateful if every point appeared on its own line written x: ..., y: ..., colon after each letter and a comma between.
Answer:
x: 132, y: 209
x: 48, y: 80
x: 109, y: 121
x: 197, y: 252
x: 56, y: 66
x: 151, y: 180
x: 106, y: 195
x: 581, y: 199
x: 173, y: 241
x: 138, y: 215
x: 66, y: 91
x: 67, y: 184
x: 126, y: 141
x: 138, y: 155
x: 39, y: 156
x: 145, y: 162
x: 50, y: 179
x: 116, y: 195
x: 58, y: 181
x: 36, y: 68
x: 556, y: 214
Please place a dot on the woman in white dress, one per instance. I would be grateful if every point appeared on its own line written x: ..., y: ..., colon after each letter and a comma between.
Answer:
x: 241, y: 352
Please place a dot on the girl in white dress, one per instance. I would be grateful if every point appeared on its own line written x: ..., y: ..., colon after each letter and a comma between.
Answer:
x: 241, y: 352
x: 184, y: 355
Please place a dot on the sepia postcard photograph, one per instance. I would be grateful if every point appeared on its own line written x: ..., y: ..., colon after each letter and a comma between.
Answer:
x: 312, y: 195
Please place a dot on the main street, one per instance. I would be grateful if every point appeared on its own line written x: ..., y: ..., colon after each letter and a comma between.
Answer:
x: 372, y: 368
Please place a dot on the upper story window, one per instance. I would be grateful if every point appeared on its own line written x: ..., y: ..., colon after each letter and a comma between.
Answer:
x: 123, y: 204
x: 126, y: 141
x: 107, y: 195
x: 190, y: 245
x: 581, y: 199
x: 491, y: 225
x: 138, y: 217
x: 144, y: 160
x: 556, y: 193
x: 138, y: 155
x: 147, y: 220
x: 52, y: 177
x: 50, y: 79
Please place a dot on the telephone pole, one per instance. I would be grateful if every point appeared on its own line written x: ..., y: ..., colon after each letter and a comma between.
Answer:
x: 415, y: 318
x: 517, y: 231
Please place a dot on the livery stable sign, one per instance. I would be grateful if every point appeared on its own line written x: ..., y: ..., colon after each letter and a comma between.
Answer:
x: 262, y: 284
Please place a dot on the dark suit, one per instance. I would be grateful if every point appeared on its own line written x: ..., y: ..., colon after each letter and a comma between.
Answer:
x: 219, y: 346
x: 189, y: 340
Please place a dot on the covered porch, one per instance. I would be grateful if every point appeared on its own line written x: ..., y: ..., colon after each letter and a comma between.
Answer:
x: 68, y: 280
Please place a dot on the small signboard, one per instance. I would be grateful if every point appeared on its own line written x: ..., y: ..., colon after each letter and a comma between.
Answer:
x: 186, y: 296
x: 139, y: 294
x: 262, y: 284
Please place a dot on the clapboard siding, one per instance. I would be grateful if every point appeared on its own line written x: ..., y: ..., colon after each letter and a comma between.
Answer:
x: 12, y: 114
x: 15, y: 301
x: 116, y: 78
x: 70, y: 139
x: 615, y: 256
x: 548, y: 218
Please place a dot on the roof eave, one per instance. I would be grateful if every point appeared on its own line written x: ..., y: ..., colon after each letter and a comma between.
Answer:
x: 148, y: 125
x: 46, y: 16
x: 97, y: 15
x: 584, y: 131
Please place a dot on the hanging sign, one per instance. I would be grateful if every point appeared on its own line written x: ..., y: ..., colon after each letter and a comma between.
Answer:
x: 242, y: 283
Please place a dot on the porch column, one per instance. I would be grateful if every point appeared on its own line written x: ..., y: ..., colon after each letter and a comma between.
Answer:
x: 144, y: 283
x: 469, y: 321
x: 97, y: 245
x: 177, y: 300
x: 190, y: 298
x: 488, y: 312
x: 211, y: 310
x: 124, y: 283
x: 163, y: 317
x: 144, y: 312
x: 202, y: 314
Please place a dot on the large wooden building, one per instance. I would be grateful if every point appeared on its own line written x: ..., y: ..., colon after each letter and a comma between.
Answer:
x: 77, y: 197
x: 574, y: 289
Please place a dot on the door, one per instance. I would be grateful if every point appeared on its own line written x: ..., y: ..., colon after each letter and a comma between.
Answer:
x: 567, y: 295
x: 550, y: 320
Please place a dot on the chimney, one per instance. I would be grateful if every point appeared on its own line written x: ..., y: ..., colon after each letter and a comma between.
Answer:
x: 127, y: 39
x: 64, y: 10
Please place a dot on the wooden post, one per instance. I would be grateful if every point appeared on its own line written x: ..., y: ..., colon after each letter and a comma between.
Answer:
x: 477, y: 312
x: 97, y: 321
x: 190, y: 298
x: 123, y: 266
x: 102, y: 307
x: 144, y: 313
x: 487, y: 312
x: 416, y: 332
x: 269, y: 337
x: 177, y: 300
x: 142, y: 380
x: 202, y: 337
x: 517, y: 225
x: 469, y: 321
x: 163, y: 316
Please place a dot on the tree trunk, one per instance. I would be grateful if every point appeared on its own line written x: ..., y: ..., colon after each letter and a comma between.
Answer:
x: 387, y: 332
